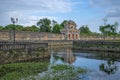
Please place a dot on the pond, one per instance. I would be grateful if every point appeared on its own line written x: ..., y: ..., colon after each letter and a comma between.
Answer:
x: 100, y: 65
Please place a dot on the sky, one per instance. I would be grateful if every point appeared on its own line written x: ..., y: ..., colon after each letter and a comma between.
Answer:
x: 83, y: 12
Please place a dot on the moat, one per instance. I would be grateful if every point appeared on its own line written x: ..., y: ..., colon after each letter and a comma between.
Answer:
x: 99, y: 65
x: 102, y: 65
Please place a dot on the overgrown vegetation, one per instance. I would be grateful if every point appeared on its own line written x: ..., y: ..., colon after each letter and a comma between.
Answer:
x: 16, y: 71
x: 60, y: 72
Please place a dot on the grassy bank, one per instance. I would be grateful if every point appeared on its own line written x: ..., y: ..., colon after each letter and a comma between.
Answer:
x: 16, y: 71
x: 61, y: 72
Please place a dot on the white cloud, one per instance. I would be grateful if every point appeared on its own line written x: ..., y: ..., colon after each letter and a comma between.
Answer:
x: 112, y: 7
x: 25, y: 9
x: 32, y: 20
x: 35, y: 5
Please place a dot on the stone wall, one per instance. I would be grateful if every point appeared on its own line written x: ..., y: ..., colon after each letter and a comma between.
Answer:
x: 97, y: 45
x: 99, y: 37
x: 6, y: 35
x: 26, y: 36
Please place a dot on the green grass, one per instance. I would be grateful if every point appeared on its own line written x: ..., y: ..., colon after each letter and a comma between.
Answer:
x: 15, y: 71
x: 61, y: 72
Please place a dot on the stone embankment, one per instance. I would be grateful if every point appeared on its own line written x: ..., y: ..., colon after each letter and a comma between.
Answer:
x: 97, y: 45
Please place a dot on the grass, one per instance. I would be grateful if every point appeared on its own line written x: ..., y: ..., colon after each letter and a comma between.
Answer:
x: 60, y: 72
x: 16, y: 71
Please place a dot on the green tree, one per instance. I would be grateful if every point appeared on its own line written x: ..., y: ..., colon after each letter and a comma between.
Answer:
x: 63, y: 24
x: 1, y: 27
x: 34, y: 28
x: 44, y: 25
x: 108, y: 29
x: 19, y: 27
x: 14, y: 27
x: 10, y: 27
x: 27, y: 28
x: 84, y: 30
x: 56, y: 28
x: 54, y: 22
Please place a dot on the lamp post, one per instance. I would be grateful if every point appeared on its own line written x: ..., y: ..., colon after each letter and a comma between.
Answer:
x: 14, y: 20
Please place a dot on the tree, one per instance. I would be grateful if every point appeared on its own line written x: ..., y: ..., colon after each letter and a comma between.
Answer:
x: 44, y: 25
x: 54, y: 22
x: 19, y: 27
x: 14, y: 27
x: 1, y: 27
x: 56, y: 28
x: 10, y: 27
x: 63, y: 24
x: 28, y: 28
x: 85, y: 30
x: 108, y: 29
x: 34, y: 28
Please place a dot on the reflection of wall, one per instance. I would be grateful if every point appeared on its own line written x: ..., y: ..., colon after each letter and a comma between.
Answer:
x: 68, y: 56
x: 18, y: 56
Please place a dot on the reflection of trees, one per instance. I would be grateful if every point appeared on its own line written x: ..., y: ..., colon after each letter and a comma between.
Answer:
x: 109, y: 67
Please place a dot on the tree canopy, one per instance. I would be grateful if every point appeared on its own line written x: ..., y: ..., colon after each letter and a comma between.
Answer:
x: 85, y: 30
x: 108, y: 29
x: 44, y: 25
x: 56, y: 28
x: 47, y: 25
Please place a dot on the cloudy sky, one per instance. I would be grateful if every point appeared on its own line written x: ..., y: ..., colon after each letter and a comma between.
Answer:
x: 83, y: 12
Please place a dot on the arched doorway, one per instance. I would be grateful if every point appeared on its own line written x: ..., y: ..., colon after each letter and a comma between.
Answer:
x: 68, y: 36
x: 76, y: 36
x: 73, y: 36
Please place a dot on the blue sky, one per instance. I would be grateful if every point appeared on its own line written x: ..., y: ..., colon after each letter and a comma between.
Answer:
x: 83, y: 12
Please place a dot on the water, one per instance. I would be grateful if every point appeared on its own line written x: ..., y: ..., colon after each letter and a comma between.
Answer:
x: 101, y: 66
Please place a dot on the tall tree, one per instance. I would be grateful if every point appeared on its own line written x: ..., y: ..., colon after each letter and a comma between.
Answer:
x: 34, y: 28
x: 56, y: 28
x: 85, y: 30
x: 10, y: 27
x: 19, y: 27
x: 27, y: 28
x: 54, y: 22
x: 44, y: 25
x: 1, y: 27
x: 108, y: 29
x: 63, y: 24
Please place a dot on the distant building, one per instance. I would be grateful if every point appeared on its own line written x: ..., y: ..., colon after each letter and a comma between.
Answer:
x: 70, y: 32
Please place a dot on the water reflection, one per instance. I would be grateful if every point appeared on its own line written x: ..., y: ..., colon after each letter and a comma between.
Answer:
x: 108, y: 67
x: 102, y: 65
x: 65, y: 55
x: 23, y: 56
